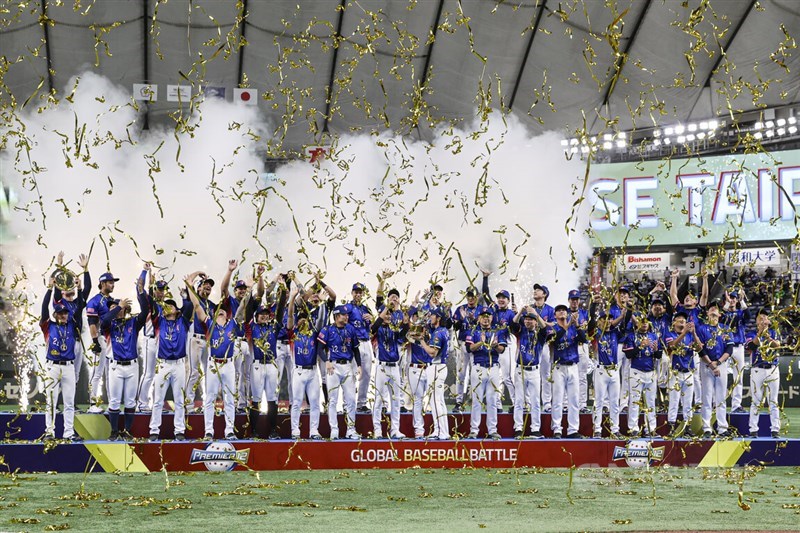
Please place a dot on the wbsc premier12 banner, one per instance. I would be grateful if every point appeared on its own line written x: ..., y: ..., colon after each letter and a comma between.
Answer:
x: 700, y: 200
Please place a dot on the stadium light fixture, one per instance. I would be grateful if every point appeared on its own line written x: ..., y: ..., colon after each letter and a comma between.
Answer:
x: 690, y: 137
x: 679, y: 129
x: 656, y: 142
x: 759, y: 135
x: 692, y: 127
x: 781, y: 122
x: 564, y: 142
x: 704, y: 125
x: 681, y: 139
x: 656, y: 133
x: 758, y: 125
x: 770, y: 124
x: 770, y: 134
x: 792, y: 120
x: 701, y: 135
x: 668, y: 131
x: 792, y: 129
x: 621, y: 143
x: 573, y: 141
x: 781, y: 131
x: 713, y: 124
x: 667, y: 140
x: 608, y: 137
x: 607, y: 145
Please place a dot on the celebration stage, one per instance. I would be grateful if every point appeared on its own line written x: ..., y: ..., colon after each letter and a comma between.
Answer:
x: 21, y: 450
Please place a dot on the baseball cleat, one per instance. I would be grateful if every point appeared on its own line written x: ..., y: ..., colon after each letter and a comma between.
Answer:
x: 556, y: 434
x: 518, y: 434
x: 114, y: 436
x: 153, y: 437
x: 180, y: 437
x: 78, y: 438
x: 95, y: 410
x: 536, y: 435
x: 230, y: 436
x: 575, y: 435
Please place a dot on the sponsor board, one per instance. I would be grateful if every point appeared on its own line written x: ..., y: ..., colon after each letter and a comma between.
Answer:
x: 638, y: 453
x: 638, y: 262
x: 435, y: 455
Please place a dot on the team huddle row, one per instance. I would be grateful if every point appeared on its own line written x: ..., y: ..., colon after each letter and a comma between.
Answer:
x: 397, y: 356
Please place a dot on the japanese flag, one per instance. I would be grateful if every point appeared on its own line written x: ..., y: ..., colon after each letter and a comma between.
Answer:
x: 245, y: 96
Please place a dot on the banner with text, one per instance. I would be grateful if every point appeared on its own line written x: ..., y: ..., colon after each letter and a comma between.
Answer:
x: 722, y: 199
x: 639, y: 262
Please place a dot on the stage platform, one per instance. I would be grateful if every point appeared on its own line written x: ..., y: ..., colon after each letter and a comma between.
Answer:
x: 22, y: 450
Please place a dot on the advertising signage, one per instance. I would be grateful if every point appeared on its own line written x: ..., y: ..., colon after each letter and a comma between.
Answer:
x: 701, y: 200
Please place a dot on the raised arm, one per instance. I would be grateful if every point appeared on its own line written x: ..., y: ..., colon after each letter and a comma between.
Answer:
x: 198, y: 309
x: 244, y: 312
x: 290, y: 318
x: 704, y: 291
x: 673, y: 287
x: 485, y: 292
x: 46, y: 302
x: 224, y: 291
x: 259, y: 286
x: 83, y: 293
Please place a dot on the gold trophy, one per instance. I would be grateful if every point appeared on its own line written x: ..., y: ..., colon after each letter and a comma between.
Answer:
x: 65, y: 279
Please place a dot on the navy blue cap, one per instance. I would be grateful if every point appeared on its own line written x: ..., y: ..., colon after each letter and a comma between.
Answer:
x: 262, y: 310
x: 437, y: 287
x: 240, y: 284
x: 437, y: 312
x: 393, y: 291
x: 679, y: 314
x: 161, y: 284
x: 624, y: 288
x: 574, y: 294
x: 358, y: 287
x: 204, y: 281
x: 60, y: 308
x: 714, y: 303
x: 171, y: 302
x: 470, y: 291
x: 763, y: 311
x: 561, y: 307
x: 601, y: 314
x: 657, y: 300
x: 484, y: 310
x: 504, y: 293
x: 108, y: 276
x: 529, y: 314
x: 544, y: 289
x: 340, y: 310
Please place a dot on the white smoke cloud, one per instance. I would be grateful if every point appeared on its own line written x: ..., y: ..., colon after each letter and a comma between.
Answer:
x: 380, y: 202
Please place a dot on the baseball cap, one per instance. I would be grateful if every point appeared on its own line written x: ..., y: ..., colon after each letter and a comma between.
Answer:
x: 601, y: 314
x: 262, y: 310
x: 733, y: 292
x: 544, y: 289
x: 470, y: 291
x: 529, y: 315
x: 574, y: 294
x: 341, y: 309
x: 657, y: 300
x: 680, y: 314
x: 624, y: 288
x: 171, y: 302
x: 560, y: 307
x: 161, y: 284
x: 204, y: 281
x: 714, y: 303
x: 437, y: 287
x: 108, y: 276
x: 240, y: 284
x: 393, y: 291
x: 504, y: 293
x: 763, y: 311
x: 437, y: 312
x: 60, y: 308
x: 358, y: 287
x: 484, y: 310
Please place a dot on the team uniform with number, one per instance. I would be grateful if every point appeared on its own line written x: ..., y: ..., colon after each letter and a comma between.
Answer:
x: 75, y: 308
x: 737, y: 321
x: 241, y: 355
x: 221, y: 373
x: 606, y: 380
x: 717, y: 342
x: 305, y: 380
x: 527, y: 379
x: 59, y: 372
x: 765, y: 380
x: 361, y: 328
x: 641, y: 349
x: 681, y: 377
x: 548, y: 314
x: 564, y: 349
x: 426, y: 377
x: 390, y: 338
x: 341, y: 345
x: 464, y: 320
x: 96, y: 308
x: 198, y: 349
x: 486, y: 380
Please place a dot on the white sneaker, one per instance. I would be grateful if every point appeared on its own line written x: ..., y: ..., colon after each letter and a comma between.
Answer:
x: 353, y: 436
x: 95, y: 410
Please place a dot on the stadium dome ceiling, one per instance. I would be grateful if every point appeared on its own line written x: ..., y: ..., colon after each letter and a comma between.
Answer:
x: 403, y: 65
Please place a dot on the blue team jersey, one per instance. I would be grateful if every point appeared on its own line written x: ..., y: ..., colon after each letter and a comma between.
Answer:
x: 221, y: 339
x: 644, y: 347
x: 389, y: 339
x: 60, y: 340
x: 547, y: 313
x: 682, y: 355
x: 209, y: 307
x: 486, y: 356
x: 172, y: 336
x: 660, y: 325
x: 440, y: 339
x: 607, y: 347
x: 339, y: 341
x: 761, y: 356
x: 737, y: 322
x: 614, y: 312
x: 357, y: 321
x: 529, y: 345
x: 263, y: 340
x: 716, y: 340
x: 694, y: 314
x: 97, y: 306
x: 564, y: 345
x: 123, y: 335
x: 419, y: 356
x: 305, y: 347
x: 464, y: 316
x: 502, y: 317
x: 231, y: 305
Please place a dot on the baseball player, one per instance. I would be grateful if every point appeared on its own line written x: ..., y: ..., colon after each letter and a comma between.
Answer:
x: 198, y: 345
x: 340, y: 345
x: 148, y: 346
x: 59, y: 374
x: 641, y: 346
x: 620, y: 319
x: 574, y: 298
x: 360, y: 318
x: 682, y: 342
x: 241, y: 354
x: 486, y: 345
x: 660, y: 318
x: 172, y: 333
x: 763, y: 345
x: 503, y: 315
x: 736, y: 318
x: 123, y: 374
x: 284, y: 357
x: 305, y: 377
x: 101, y: 351
x: 464, y: 320
x: 531, y: 337
x: 540, y: 295
x: 694, y: 310
x: 606, y: 373
x: 73, y: 299
x: 427, y: 375
x: 262, y: 330
x: 717, y: 350
x: 389, y: 330
x: 567, y: 334
x: 318, y: 302
x: 220, y: 377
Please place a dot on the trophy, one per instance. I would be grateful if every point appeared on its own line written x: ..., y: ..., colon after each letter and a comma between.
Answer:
x: 417, y: 330
x: 65, y: 279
